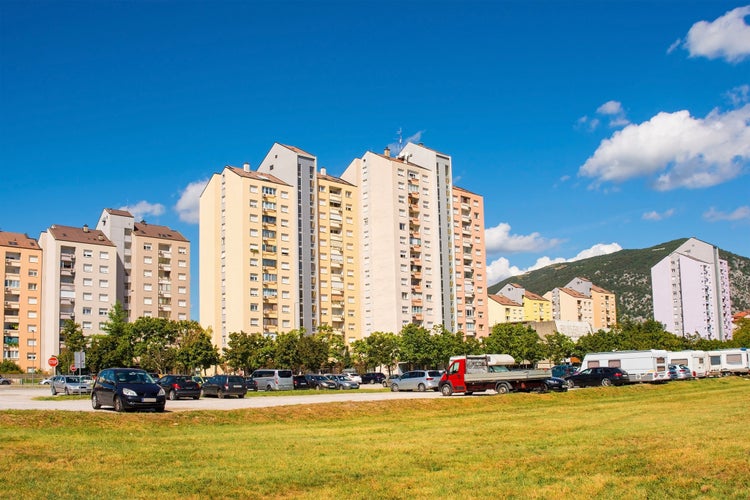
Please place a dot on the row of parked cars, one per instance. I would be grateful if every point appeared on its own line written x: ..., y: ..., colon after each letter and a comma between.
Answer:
x: 606, y: 376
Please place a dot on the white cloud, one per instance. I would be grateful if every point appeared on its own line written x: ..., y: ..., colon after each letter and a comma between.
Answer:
x: 610, y: 108
x: 727, y: 37
x: 676, y: 150
x: 397, y: 146
x: 500, y: 269
x: 713, y: 215
x: 188, y: 205
x: 143, y: 209
x: 498, y: 239
x: 656, y: 216
x: 739, y: 95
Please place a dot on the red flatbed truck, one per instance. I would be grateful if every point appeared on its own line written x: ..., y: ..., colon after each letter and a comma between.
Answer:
x: 489, y: 372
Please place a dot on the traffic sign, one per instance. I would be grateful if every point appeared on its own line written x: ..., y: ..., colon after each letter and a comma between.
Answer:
x: 52, y: 361
x: 72, y: 368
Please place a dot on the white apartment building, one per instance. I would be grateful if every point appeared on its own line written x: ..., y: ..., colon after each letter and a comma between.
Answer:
x: 690, y: 290
x: 406, y: 235
x: 79, y: 282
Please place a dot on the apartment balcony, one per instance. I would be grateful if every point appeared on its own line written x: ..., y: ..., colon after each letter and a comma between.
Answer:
x: 165, y: 307
x: 10, y: 261
x: 67, y: 272
x: 269, y: 197
x: 337, y: 263
x: 337, y: 318
x: 337, y: 291
x: 166, y: 254
x: 336, y: 237
x: 465, y: 207
x: 67, y: 315
x: 270, y: 299
x: 416, y: 302
x: 417, y: 317
x: 270, y: 313
x: 414, y: 181
x: 416, y: 261
x: 67, y: 301
x: 416, y: 288
x: 10, y: 332
x: 268, y: 210
x: 415, y: 247
x: 67, y: 257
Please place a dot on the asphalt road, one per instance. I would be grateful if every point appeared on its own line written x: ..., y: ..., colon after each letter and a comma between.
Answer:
x: 23, y: 398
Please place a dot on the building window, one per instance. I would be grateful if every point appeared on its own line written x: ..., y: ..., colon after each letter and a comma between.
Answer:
x: 88, y: 253
x: 104, y: 255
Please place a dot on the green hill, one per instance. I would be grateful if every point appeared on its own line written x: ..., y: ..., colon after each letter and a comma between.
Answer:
x: 627, y: 273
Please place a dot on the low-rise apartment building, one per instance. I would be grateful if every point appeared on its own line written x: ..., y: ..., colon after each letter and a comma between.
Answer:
x: 21, y: 274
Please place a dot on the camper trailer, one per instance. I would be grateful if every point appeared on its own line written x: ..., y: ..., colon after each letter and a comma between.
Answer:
x: 724, y: 362
x: 641, y: 366
x: 696, y: 361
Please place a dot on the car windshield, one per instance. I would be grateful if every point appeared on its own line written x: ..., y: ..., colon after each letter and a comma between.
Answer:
x: 134, y: 377
x: 72, y: 380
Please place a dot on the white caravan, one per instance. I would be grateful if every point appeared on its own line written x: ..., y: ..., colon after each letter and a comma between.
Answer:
x: 697, y: 361
x: 728, y: 362
x: 641, y: 366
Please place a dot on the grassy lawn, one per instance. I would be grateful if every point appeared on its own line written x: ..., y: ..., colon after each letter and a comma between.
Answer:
x: 679, y: 440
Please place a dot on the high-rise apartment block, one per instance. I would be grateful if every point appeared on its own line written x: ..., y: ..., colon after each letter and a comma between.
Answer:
x: 22, y: 301
x: 153, y: 266
x: 249, y: 254
x: 79, y: 282
x: 690, y: 290
x: 389, y: 243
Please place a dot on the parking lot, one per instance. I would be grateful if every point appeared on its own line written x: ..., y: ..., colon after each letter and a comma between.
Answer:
x: 23, y: 398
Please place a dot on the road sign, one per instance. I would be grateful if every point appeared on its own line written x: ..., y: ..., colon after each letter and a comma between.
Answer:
x: 79, y: 359
x: 72, y: 368
x: 52, y: 361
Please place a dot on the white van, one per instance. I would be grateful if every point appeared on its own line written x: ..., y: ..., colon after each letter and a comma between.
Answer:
x: 696, y: 361
x: 641, y: 366
x: 273, y: 380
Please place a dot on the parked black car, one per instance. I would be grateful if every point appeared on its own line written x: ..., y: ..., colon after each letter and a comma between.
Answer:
x: 222, y: 386
x: 602, y: 375
x: 180, y: 386
x: 373, y: 378
x: 300, y: 382
x: 127, y: 389
x: 251, y: 384
x: 556, y: 384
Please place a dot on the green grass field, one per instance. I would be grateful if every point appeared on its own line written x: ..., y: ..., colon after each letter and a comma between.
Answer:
x: 679, y: 440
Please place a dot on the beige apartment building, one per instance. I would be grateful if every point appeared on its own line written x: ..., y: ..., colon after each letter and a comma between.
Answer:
x: 503, y: 310
x: 22, y: 301
x: 581, y: 300
x: 153, y: 266
x: 249, y: 255
x: 338, y: 255
x: 469, y: 249
x: 79, y: 282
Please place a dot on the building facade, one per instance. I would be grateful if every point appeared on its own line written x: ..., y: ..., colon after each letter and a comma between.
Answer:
x: 504, y: 310
x: 21, y: 274
x: 690, y: 290
x: 249, y: 254
x: 338, y: 255
x: 535, y: 307
x: 470, y: 263
x: 79, y: 282
x: 153, y: 266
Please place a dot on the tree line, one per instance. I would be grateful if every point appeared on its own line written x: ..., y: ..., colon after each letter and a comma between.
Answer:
x: 167, y: 346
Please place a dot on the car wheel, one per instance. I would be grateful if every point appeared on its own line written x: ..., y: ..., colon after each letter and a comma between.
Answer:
x: 446, y: 389
x: 571, y: 384
x: 160, y: 408
x: 394, y: 387
x: 269, y: 388
x: 502, y: 388
x: 385, y: 384
x: 241, y: 396
x: 95, y: 402
x: 196, y: 397
x: 220, y: 394
x: 172, y: 395
x: 52, y: 390
x: 421, y: 388
x: 606, y: 382
x: 67, y: 391
x: 544, y: 388
x: 118, y: 404
x: 372, y: 382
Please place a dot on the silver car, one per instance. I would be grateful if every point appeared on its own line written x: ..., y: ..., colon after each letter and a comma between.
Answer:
x: 342, y: 381
x: 416, y: 380
x: 69, y: 384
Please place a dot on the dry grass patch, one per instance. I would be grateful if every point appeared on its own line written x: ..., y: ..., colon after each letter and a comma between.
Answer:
x: 675, y: 440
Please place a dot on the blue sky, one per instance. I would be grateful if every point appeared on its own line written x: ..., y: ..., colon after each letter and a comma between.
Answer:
x: 587, y: 126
